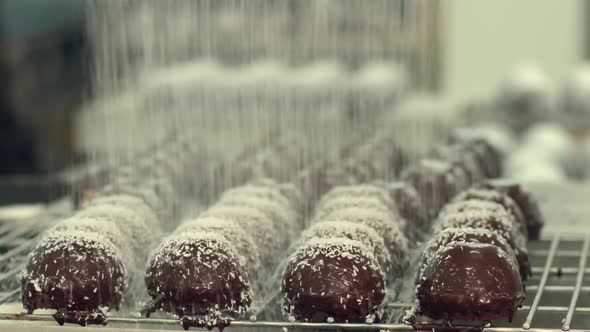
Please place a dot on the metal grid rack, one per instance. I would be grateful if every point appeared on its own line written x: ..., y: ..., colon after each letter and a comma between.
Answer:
x: 557, y: 294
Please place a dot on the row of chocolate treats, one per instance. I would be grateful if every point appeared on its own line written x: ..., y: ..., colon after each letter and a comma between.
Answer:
x: 341, y: 267
x: 474, y: 266
x: 203, y: 272
x: 476, y: 263
x: 90, y: 262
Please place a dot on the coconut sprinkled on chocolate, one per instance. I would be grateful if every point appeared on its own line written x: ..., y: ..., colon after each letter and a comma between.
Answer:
x: 356, y: 191
x: 75, y: 271
x: 253, y: 221
x: 141, y: 237
x: 104, y: 227
x: 436, y: 181
x: 282, y: 218
x: 353, y: 231
x: 470, y: 281
x: 391, y: 232
x: 466, y: 235
x: 344, y: 202
x: 242, y: 240
x: 495, y: 196
x: 131, y: 202
x: 337, y: 278
x: 198, y: 274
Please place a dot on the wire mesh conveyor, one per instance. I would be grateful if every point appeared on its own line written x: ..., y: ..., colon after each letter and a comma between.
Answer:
x: 557, y: 294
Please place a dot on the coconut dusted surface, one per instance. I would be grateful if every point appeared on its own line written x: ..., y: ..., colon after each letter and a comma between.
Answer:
x: 283, y: 218
x: 436, y: 181
x: 469, y: 281
x: 76, y: 272
x: 141, y: 237
x: 198, y: 274
x: 135, y: 203
x: 344, y: 202
x: 499, y: 221
x: 409, y: 205
x: 242, y: 240
x: 391, y: 232
x: 358, y: 191
x: 462, y: 234
x: 256, y: 223
x: 495, y: 196
x: 104, y: 227
x: 263, y: 192
x: 353, y: 231
x: 337, y: 278
x: 525, y: 201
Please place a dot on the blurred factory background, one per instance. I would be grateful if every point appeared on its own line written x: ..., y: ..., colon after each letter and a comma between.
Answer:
x: 462, y: 50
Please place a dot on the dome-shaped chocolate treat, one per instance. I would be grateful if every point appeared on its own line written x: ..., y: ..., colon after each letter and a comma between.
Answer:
x: 525, y: 201
x: 337, y: 278
x: 498, y: 220
x: 242, y: 240
x: 489, y: 157
x: 460, y: 156
x: 409, y: 204
x: 495, y: 196
x: 198, y: 274
x: 436, y: 181
x: 282, y: 217
x: 106, y: 228
x: 463, y: 234
x: 141, y: 237
x: 256, y: 223
x: 391, y: 232
x: 131, y: 202
x: 77, y: 273
x: 469, y: 281
x: 369, y: 203
x: 353, y: 231
x: 358, y: 191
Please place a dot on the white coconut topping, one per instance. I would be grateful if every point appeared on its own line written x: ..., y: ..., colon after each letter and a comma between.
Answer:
x: 353, y: 231
x: 253, y: 221
x: 393, y: 237
x: 242, y: 240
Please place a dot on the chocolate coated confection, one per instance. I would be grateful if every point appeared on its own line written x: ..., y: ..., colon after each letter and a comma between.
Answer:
x: 242, y: 240
x: 336, y: 278
x: 525, y: 201
x: 370, y: 203
x: 282, y: 217
x: 256, y: 223
x: 469, y: 281
x: 391, y: 232
x: 498, y: 197
x: 461, y: 156
x: 499, y: 221
x: 488, y: 157
x: 409, y: 204
x: 436, y: 181
x: 463, y: 234
x: 75, y: 272
x: 353, y: 231
x: 198, y: 274
x: 356, y: 191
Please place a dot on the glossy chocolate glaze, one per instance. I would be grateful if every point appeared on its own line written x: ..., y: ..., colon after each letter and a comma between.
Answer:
x: 337, y: 278
x: 79, y: 274
x: 436, y: 181
x: 525, y: 201
x: 496, y: 196
x: 495, y: 218
x: 468, y: 281
x: 198, y: 274
x: 466, y: 235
